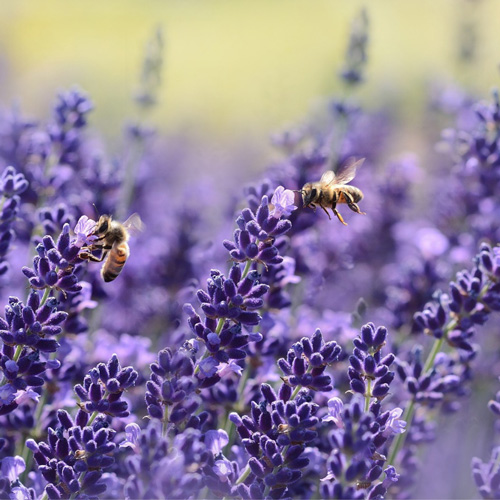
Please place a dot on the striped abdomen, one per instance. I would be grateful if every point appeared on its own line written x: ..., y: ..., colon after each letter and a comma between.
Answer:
x: 115, y: 261
x: 355, y: 194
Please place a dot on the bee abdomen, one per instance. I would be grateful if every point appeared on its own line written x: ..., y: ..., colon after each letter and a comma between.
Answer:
x: 115, y: 261
x: 355, y: 193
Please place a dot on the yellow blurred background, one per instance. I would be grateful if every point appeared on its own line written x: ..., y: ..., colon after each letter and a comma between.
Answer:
x: 235, y: 67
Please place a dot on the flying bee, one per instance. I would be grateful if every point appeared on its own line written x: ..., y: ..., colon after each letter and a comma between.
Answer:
x: 112, y: 237
x: 331, y: 189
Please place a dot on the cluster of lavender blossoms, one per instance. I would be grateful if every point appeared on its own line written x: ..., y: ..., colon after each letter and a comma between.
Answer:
x: 299, y: 358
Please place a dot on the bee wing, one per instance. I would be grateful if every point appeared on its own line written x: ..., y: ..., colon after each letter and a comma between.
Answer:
x: 328, y: 178
x: 348, y: 171
x: 134, y: 224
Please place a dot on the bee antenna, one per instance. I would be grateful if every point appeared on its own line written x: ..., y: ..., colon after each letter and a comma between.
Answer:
x: 96, y: 211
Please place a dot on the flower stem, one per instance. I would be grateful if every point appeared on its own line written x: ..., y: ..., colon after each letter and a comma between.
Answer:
x: 45, y: 295
x: 246, y: 270
x: 164, y: 425
x: 410, y: 410
x: 368, y: 395
x: 409, y: 413
x: 399, y: 440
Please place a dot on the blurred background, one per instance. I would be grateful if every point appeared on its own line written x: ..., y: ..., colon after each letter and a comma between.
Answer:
x: 238, y: 69
x: 234, y: 72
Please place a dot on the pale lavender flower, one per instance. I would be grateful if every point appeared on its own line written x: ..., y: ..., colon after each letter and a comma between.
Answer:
x: 132, y: 432
x: 395, y: 425
x: 335, y: 406
x: 391, y: 476
x: 20, y: 493
x: 208, y: 367
x: 12, y: 467
x: 83, y: 232
x: 215, y: 441
x: 7, y: 394
x: 231, y: 367
x: 283, y: 202
x: 223, y: 469
x: 23, y: 396
x: 289, y: 275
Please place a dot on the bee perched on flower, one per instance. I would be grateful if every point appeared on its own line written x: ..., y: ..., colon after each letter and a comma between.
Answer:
x: 110, y: 237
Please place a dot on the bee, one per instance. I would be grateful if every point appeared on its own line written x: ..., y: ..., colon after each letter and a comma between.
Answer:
x: 331, y: 189
x: 112, y: 237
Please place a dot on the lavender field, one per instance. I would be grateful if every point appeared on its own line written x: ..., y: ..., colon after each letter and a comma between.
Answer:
x: 175, y: 327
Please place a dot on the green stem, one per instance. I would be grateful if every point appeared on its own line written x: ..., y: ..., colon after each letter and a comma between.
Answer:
x: 164, y: 425
x: 409, y: 413
x: 244, y: 475
x: 438, y: 344
x: 45, y: 295
x: 368, y: 395
x: 399, y: 441
x: 17, y: 354
x: 246, y: 270
x: 93, y: 416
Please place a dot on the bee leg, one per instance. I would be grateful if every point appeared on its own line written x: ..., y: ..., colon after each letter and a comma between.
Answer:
x: 337, y: 213
x: 93, y: 258
x: 353, y: 206
x: 89, y: 256
x: 326, y: 211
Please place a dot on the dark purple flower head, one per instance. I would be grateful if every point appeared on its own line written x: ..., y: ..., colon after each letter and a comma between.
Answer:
x: 306, y: 361
x: 369, y: 371
x: 356, y: 57
x: 74, y: 457
x: 255, y: 237
x: 103, y: 388
x: 71, y: 109
x: 180, y: 469
x: 356, y: 462
x: 171, y: 391
x: 12, y: 183
x: 487, y: 476
x: 54, y: 218
x: 427, y: 387
x: 229, y: 305
x: 54, y: 266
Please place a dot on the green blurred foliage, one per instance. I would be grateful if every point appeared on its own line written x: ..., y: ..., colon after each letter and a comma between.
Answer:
x: 234, y: 67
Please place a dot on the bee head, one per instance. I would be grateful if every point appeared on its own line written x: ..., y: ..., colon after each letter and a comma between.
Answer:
x: 309, y: 194
x: 103, y: 224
